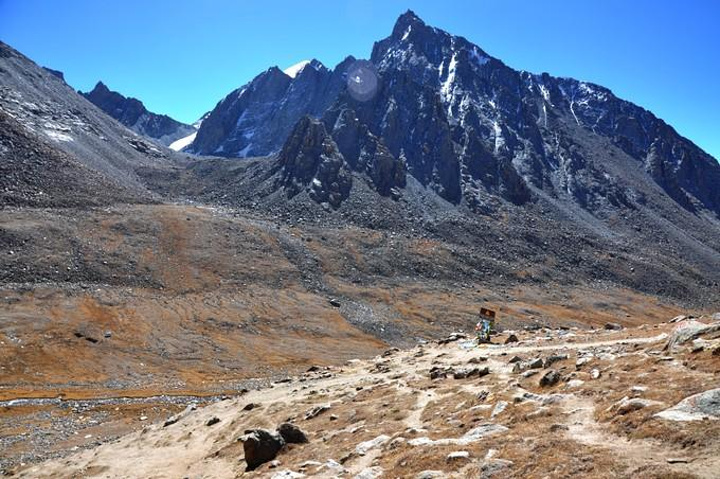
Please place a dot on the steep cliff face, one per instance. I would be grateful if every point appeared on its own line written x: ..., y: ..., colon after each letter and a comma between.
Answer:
x: 513, y: 132
x: 132, y: 113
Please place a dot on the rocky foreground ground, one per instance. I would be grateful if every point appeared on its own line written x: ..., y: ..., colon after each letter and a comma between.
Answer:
x: 636, y: 402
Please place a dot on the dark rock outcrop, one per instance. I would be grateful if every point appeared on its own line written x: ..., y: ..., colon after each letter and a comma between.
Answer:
x: 292, y: 434
x: 310, y: 161
x: 261, y: 446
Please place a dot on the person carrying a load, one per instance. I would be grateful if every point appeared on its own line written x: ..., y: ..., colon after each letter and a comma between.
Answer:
x: 485, y: 326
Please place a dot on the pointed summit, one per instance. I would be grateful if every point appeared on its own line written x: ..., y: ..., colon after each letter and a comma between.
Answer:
x: 405, y: 22
x: 100, y: 87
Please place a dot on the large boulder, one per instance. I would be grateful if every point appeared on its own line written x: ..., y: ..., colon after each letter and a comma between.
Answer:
x: 261, y: 446
x: 705, y: 405
x: 688, y: 330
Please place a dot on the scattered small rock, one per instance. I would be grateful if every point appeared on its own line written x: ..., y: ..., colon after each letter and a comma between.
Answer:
x: 212, y: 421
x: 437, y: 372
x: 499, y: 407
x: 470, y: 373
x: 575, y: 383
x: 581, y: 362
x: 453, y: 337
x: 627, y: 405
x: 493, y: 468
x: 550, y: 360
x: 292, y: 434
x: 363, y: 448
x: 613, y: 326
x: 458, y: 455
x: 535, y: 364
x: 287, y: 474
x: 316, y: 411
x: 370, y: 473
x: 177, y: 417
x: 550, y: 378
x: 430, y: 475
x: 511, y: 339
x: 478, y: 360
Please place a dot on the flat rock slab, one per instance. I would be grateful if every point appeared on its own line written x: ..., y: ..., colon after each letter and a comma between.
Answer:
x: 473, y: 435
x: 698, y: 407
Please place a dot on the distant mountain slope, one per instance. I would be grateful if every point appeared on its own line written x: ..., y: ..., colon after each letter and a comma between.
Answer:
x: 132, y: 113
x: 49, y: 110
x: 255, y: 119
x: 470, y: 128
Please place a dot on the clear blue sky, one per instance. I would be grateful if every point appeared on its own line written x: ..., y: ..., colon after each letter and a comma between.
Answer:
x: 181, y: 57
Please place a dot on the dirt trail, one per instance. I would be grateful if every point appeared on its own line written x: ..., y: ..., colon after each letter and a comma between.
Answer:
x: 636, y: 453
x: 390, y: 396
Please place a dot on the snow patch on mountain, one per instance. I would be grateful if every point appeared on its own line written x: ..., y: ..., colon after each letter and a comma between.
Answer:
x: 479, y: 59
x: 178, y: 145
x: 57, y: 136
x: 293, y: 71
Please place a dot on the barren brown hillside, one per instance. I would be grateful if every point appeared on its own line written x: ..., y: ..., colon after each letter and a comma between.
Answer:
x: 130, y: 303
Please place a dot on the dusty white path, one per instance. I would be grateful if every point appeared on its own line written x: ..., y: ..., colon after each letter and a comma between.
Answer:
x: 192, y: 449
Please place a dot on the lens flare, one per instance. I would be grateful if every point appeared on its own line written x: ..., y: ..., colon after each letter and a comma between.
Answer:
x: 362, y: 80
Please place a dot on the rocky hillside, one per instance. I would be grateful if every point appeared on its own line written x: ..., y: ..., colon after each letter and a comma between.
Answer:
x: 35, y: 173
x: 132, y: 113
x: 49, y: 111
x: 559, y: 403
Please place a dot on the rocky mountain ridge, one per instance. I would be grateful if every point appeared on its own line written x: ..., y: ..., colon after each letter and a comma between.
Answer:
x: 132, y: 113
x: 472, y: 129
x: 255, y: 119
